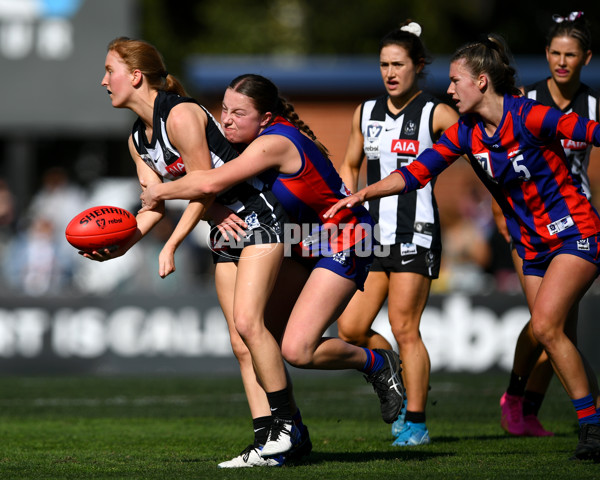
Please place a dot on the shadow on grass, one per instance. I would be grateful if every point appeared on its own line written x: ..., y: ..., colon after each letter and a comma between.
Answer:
x: 354, y: 457
x: 454, y: 439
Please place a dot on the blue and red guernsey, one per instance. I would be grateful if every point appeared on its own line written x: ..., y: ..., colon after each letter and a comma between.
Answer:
x: 523, y: 165
x: 307, y: 194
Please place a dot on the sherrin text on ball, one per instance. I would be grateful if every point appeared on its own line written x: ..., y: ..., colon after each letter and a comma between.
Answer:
x: 100, y: 227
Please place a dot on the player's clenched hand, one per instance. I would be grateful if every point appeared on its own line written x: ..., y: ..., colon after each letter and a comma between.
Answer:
x: 147, y: 197
x: 166, y: 261
x: 228, y: 223
x: 347, y: 202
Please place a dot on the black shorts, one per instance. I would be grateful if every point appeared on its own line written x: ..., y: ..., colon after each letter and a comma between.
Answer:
x: 265, y: 218
x: 407, y: 257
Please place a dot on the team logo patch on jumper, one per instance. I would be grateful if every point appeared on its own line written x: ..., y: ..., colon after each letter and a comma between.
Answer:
x: 429, y: 258
x: 372, y: 140
x: 148, y: 160
x: 560, y: 225
x: 373, y: 131
x: 483, y: 159
x: 408, y: 249
x: 410, y: 128
x: 583, y: 245
x: 340, y: 258
x: 277, y: 228
x: 252, y: 221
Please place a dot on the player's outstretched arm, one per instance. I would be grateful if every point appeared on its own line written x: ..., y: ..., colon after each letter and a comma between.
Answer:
x: 393, y: 184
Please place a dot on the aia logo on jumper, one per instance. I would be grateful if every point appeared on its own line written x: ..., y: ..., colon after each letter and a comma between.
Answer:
x: 573, y: 145
x: 405, y: 147
x: 177, y: 168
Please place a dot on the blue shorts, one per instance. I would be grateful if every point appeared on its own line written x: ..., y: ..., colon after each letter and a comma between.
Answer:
x: 586, y: 248
x: 347, y: 264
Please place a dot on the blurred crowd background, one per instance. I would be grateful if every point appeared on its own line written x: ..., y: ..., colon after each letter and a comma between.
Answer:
x: 72, y: 154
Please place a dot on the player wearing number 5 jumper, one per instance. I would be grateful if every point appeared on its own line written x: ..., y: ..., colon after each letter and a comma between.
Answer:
x: 568, y: 51
x: 513, y: 145
x: 389, y: 132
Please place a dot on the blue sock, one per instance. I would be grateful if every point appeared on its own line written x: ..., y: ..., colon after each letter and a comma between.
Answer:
x: 374, y: 361
x: 586, y: 410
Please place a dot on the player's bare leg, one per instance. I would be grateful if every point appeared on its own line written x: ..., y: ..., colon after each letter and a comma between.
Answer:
x: 321, y: 302
x: 566, y: 280
x: 354, y: 324
x: 405, y: 317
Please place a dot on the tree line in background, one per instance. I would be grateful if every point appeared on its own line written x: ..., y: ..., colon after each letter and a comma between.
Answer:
x: 351, y: 27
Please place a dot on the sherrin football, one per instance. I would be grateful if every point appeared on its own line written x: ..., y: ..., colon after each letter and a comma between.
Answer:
x: 100, y: 227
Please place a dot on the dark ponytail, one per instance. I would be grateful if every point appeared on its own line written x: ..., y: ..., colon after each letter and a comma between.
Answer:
x: 265, y: 97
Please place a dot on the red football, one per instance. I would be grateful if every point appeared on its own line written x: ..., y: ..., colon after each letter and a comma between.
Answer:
x: 100, y: 227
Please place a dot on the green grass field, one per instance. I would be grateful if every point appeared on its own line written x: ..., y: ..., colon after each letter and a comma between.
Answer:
x: 175, y: 427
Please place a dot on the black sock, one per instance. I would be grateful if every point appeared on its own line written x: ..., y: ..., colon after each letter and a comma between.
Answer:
x: 414, y: 417
x: 532, y: 402
x: 517, y: 384
x: 261, y: 429
x: 280, y: 404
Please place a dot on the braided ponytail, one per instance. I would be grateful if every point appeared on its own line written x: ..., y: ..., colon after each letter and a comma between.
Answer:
x: 291, y: 116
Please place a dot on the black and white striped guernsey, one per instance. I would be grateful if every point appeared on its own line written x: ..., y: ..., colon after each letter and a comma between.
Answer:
x: 585, y: 103
x: 390, y: 142
x: 164, y: 159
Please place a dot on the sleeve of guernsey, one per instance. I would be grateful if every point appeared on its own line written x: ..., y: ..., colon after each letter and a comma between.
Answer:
x: 546, y: 122
x: 431, y: 161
